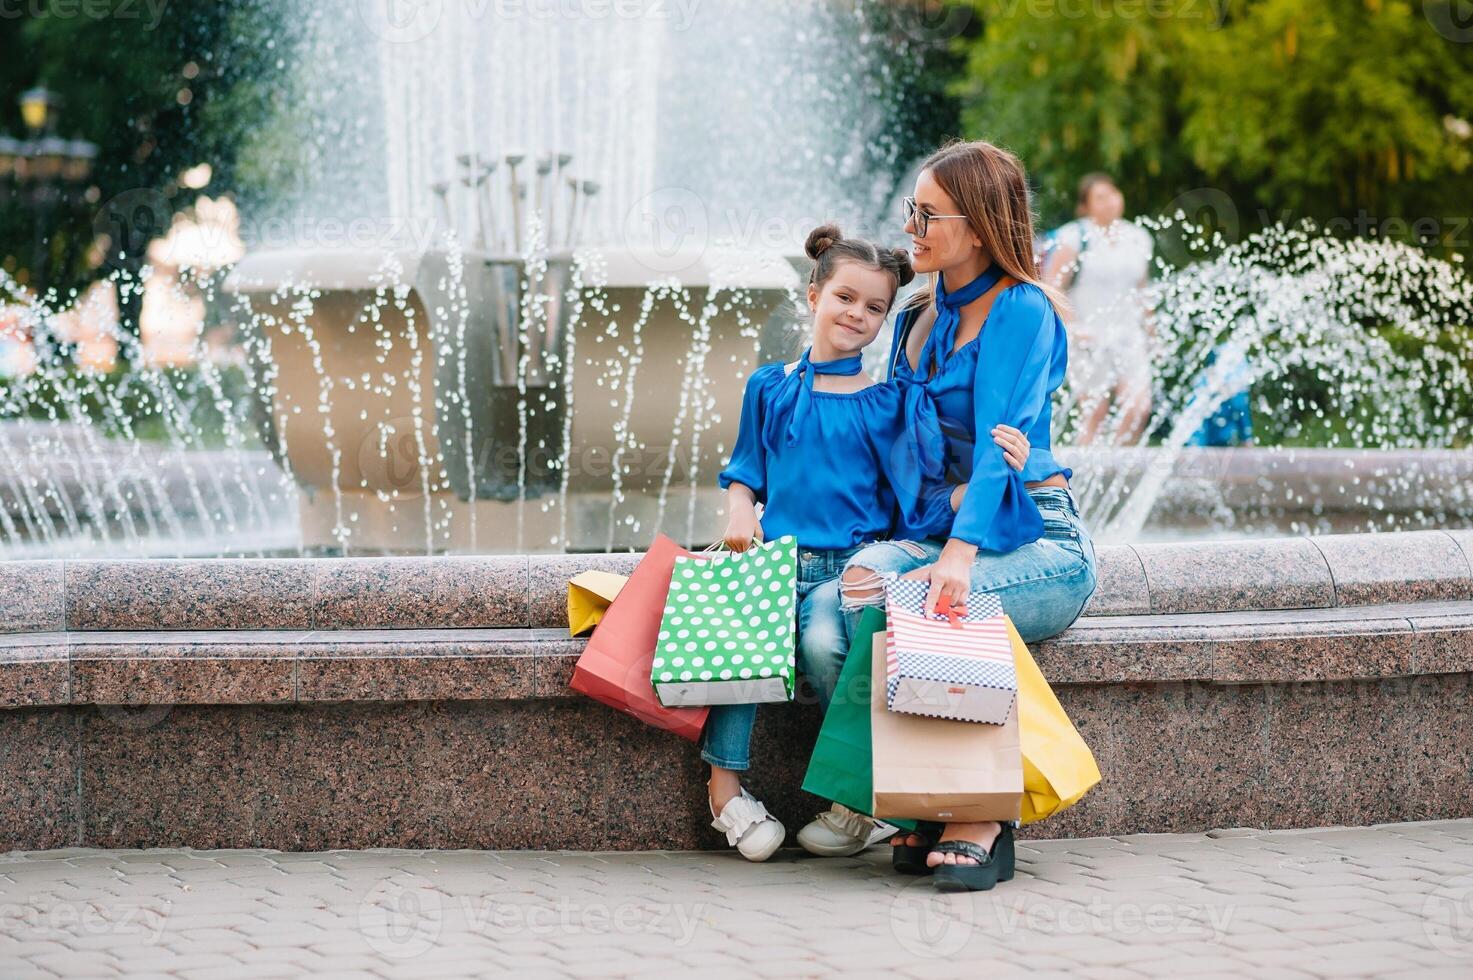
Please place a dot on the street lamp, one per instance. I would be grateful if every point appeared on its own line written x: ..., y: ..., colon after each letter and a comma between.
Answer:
x: 39, y: 107
x: 45, y: 171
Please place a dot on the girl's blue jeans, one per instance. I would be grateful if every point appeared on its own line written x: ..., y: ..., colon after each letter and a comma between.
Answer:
x: 726, y: 741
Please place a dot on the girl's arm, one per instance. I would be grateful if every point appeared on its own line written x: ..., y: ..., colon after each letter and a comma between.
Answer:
x: 742, y: 525
x: 745, y: 476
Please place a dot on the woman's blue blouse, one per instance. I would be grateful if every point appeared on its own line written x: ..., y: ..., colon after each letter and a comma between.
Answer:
x: 835, y: 487
x: 1005, y: 375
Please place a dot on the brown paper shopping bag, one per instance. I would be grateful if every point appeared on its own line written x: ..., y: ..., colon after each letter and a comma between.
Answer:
x: 940, y: 769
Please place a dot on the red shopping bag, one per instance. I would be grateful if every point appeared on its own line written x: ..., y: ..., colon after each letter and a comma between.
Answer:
x: 615, y: 666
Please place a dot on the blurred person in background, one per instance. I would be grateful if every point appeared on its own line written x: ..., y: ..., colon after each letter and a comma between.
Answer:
x: 1103, y: 262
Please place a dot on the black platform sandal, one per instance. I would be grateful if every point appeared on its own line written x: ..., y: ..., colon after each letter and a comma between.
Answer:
x: 991, y: 867
x: 910, y: 859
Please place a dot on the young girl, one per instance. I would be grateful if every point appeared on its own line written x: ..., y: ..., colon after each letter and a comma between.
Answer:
x: 819, y: 445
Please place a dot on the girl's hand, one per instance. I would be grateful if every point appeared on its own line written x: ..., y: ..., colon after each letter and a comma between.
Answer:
x: 742, y: 529
x: 1014, y: 444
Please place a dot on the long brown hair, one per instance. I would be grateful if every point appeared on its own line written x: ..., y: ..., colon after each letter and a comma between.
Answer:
x: 989, y: 186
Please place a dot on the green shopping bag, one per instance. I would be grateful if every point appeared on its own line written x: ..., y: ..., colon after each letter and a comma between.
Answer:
x: 841, y: 767
x: 727, y: 633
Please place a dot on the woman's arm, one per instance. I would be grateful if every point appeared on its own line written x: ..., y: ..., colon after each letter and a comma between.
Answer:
x: 1016, y: 374
x: 1015, y: 449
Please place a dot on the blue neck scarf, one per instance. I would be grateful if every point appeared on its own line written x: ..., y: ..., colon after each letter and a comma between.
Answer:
x: 794, y: 396
x: 949, y: 316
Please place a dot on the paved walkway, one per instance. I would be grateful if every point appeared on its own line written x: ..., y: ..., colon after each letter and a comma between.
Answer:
x: 1385, y: 901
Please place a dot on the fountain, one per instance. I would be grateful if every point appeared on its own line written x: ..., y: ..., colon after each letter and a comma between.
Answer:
x: 507, y: 299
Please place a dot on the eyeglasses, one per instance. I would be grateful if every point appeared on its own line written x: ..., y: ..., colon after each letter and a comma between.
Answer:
x: 921, y: 218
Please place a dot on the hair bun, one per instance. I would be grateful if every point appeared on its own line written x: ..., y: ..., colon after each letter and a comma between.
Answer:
x: 904, y: 271
x: 820, y: 239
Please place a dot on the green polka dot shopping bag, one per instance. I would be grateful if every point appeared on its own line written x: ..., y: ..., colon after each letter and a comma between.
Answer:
x: 727, y: 633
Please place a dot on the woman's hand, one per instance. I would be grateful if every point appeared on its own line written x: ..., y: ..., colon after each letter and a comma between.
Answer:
x: 1014, y: 444
x: 951, y: 575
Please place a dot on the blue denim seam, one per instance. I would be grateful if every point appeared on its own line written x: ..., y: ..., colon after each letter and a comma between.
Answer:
x: 721, y: 763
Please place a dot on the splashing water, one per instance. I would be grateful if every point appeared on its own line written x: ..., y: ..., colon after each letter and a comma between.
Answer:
x: 1345, y: 345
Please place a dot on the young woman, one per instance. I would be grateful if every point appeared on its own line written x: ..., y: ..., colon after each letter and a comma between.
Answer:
x: 815, y: 447
x: 984, y: 345
x: 1104, y: 261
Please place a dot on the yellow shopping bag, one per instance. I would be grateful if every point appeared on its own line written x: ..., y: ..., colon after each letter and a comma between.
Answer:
x: 1058, y: 768
x: 589, y: 595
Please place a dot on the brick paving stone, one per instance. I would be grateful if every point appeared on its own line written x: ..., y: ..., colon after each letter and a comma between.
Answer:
x: 1324, y: 903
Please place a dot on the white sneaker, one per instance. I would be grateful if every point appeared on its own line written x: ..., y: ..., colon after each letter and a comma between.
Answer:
x: 840, y: 832
x: 748, y: 826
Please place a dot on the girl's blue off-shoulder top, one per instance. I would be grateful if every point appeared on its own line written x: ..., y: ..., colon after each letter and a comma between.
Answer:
x: 1005, y: 375
x: 835, y: 487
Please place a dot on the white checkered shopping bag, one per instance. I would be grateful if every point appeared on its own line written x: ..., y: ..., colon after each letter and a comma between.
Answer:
x: 955, y: 664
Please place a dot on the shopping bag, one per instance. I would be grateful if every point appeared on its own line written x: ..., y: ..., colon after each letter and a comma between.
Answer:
x: 941, y: 769
x: 615, y: 666
x: 1058, y: 767
x: 589, y: 595
x: 956, y: 663
x: 727, y: 632
x: 840, y: 767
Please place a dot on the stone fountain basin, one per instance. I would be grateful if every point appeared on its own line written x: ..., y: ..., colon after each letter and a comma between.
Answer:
x: 312, y: 704
x: 472, y: 414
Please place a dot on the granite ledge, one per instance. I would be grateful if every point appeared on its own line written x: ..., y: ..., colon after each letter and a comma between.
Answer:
x: 519, y: 591
x: 285, y: 666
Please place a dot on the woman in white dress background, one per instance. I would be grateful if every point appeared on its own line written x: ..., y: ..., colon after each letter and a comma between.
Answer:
x: 1103, y: 261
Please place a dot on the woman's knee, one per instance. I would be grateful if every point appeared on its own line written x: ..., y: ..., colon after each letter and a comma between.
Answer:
x: 1043, y: 608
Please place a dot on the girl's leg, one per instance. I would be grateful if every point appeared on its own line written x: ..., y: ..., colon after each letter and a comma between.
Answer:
x: 726, y: 745
x: 821, y: 645
x: 861, y: 584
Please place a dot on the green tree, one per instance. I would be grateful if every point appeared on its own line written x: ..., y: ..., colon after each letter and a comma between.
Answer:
x: 1332, y: 107
x: 1293, y: 108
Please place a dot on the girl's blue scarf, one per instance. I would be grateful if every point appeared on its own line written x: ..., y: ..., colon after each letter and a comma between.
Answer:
x: 793, y: 398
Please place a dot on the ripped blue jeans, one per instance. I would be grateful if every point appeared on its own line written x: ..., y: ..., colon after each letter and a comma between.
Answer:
x: 1043, y: 585
x: 727, y: 738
